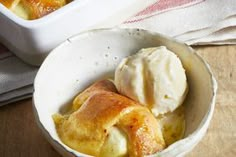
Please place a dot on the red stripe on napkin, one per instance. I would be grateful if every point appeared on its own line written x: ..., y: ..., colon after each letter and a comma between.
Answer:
x: 161, y: 6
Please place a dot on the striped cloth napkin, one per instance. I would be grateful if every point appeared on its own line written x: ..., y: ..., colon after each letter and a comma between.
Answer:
x: 196, y: 22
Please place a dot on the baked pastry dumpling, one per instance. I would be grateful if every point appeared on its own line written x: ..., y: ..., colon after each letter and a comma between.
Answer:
x: 107, y: 123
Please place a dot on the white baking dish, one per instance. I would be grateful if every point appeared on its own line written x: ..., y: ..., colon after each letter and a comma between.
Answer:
x: 32, y: 40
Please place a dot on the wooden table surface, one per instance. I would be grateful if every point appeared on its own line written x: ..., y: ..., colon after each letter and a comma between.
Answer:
x: 20, y: 136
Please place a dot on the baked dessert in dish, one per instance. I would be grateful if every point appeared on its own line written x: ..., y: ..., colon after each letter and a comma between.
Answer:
x: 11, y: 4
x: 33, y: 9
x: 107, y: 123
x: 110, y: 118
x: 100, y: 61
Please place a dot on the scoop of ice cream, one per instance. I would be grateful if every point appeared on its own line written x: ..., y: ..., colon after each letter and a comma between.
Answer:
x: 154, y: 77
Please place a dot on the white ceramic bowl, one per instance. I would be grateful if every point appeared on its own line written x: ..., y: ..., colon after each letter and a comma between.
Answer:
x: 89, y: 56
x: 32, y: 40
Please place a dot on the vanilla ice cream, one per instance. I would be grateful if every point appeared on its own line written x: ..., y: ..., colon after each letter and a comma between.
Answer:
x: 154, y: 77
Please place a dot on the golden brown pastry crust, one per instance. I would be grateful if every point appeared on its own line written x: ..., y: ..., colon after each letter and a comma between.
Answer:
x: 100, y: 86
x: 36, y: 8
x: 9, y: 3
x: 86, y: 129
x: 39, y: 8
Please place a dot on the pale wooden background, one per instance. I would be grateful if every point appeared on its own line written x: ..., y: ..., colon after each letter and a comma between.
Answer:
x: 20, y: 137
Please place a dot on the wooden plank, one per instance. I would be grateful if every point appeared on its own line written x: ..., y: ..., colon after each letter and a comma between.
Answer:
x: 19, y: 134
